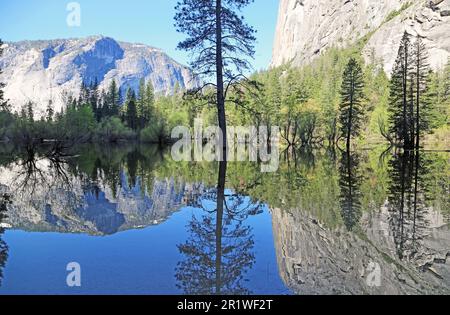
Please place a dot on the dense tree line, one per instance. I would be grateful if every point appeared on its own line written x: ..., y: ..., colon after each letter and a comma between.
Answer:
x: 99, y: 116
x: 337, y: 99
x: 334, y: 100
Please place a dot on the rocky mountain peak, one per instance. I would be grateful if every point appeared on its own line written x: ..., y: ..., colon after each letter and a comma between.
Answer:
x: 44, y: 70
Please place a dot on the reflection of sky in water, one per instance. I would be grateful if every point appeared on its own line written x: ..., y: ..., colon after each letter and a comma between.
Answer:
x: 131, y: 262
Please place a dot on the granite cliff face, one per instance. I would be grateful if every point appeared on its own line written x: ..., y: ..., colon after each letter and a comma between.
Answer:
x: 427, y: 19
x: 307, y: 28
x: 40, y: 71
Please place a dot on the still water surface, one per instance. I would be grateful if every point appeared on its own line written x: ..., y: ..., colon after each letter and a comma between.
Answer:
x: 137, y: 222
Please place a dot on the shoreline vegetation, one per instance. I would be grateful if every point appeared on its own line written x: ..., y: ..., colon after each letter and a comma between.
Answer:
x: 306, y: 103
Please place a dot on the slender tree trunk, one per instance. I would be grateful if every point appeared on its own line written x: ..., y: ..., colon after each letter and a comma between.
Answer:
x: 402, y: 201
x: 418, y: 100
x: 412, y: 123
x: 350, y: 116
x: 405, y: 100
x: 219, y: 79
x: 350, y: 182
x: 294, y: 138
x: 223, y: 156
x: 416, y: 190
x: 219, y: 223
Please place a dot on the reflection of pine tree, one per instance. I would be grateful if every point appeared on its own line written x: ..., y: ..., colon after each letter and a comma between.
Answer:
x: 218, y: 251
x: 407, y: 202
x: 4, y: 200
x: 132, y: 166
x: 197, y: 273
x: 349, y: 183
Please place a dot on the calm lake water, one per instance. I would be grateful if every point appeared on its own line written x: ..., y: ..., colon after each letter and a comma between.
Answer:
x: 137, y: 222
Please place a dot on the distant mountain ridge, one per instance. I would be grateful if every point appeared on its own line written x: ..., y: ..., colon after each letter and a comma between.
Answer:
x: 44, y: 70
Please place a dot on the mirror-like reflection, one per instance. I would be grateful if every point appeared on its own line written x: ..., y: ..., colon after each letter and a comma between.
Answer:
x: 349, y: 182
x: 4, y: 201
x: 322, y: 224
x: 412, y: 213
x: 219, y: 251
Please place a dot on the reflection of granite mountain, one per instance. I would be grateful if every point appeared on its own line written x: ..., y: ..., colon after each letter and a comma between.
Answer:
x: 313, y: 259
x: 96, y: 210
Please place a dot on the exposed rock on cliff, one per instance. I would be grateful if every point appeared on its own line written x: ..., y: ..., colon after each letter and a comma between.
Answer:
x: 423, y: 18
x: 307, y: 28
x: 40, y: 71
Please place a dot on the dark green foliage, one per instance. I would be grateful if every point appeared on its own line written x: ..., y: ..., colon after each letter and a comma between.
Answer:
x: 145, y: 104
x: 198, y: 20
x: 50, y: 112
x: 111, y: 129
x: 112, y: 102
x: 155, y: 133
x: 422, y: 96
x: 78, y: 123
x: 352, y: 97
x: 131, y: 116
x: 410, y: 107
x: 400, y: 96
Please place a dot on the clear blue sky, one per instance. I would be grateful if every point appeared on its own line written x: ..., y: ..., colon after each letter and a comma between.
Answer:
x: 144, y: 21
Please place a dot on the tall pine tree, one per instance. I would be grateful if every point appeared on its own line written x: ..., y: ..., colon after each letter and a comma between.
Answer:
x: 50, y: 111
x: 352, y: 97
x: 113, y: 97
x: 447, y: 83
x: 149, y: 103
x: 145, y: 103
x: 420, y: 75
x: 131, y: 110
x: 400, y: 95
x: 221, y: 41
x: 94, y: 99
x: 141, y: 103
x: 410, y: 96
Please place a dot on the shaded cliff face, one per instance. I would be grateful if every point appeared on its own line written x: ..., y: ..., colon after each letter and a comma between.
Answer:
x: 40, y: 71
x: 314, y: 259
x: 307, y: 28
x: 427, y: 19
